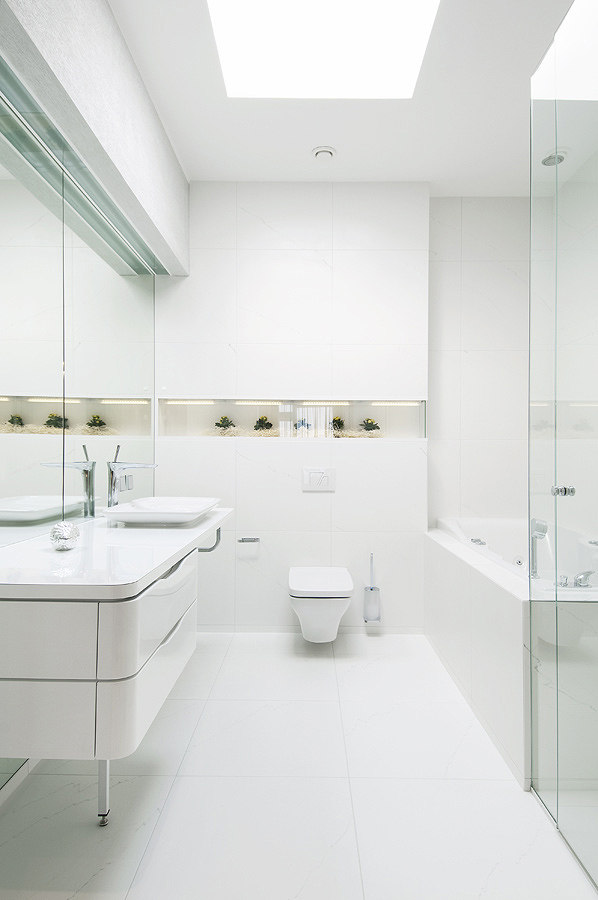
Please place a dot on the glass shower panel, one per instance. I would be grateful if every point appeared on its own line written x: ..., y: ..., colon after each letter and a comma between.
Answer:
x: 577, y: 433
x: 542, y: 425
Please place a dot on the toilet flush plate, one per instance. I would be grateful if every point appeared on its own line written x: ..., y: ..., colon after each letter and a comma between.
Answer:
x: 319, y: 479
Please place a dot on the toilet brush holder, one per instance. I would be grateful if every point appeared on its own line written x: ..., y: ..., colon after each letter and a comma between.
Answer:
x: 371, y: 598
x: 371, y: 604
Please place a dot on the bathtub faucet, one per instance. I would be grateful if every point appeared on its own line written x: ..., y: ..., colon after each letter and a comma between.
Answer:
x: 583, y: 579
x: 538, y: 530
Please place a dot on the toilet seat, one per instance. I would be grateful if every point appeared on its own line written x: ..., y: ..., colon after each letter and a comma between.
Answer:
x: 320, y: 581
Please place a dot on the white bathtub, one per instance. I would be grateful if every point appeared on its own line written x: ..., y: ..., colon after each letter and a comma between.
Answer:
x: 477, y: 619
x: 502, y: 540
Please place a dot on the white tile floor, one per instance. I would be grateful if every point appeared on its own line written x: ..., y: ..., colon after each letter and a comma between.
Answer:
x: 280, y: 770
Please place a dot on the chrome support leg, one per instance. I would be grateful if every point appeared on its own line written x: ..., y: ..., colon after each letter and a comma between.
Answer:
x: 103, y: 790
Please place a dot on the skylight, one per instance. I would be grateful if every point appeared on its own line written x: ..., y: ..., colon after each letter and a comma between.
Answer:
x: 319, y: 49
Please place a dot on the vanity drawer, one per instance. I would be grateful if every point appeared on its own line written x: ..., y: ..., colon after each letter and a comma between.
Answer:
x: 47, y: 639
x: 127, y: 708
x: 130, y: 630
x: 47, y: 719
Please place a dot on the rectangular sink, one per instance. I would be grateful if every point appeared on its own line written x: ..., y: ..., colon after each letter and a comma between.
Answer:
x: 162, y: 510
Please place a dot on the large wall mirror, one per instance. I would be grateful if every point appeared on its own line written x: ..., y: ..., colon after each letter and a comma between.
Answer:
x: 76, y: 349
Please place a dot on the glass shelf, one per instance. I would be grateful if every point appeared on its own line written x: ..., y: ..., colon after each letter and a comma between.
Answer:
x: 292, y: 419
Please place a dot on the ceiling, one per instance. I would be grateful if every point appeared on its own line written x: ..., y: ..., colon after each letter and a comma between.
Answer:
x: 466, y: 131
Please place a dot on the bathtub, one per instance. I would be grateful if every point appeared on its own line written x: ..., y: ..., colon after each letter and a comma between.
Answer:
x: 477, y: 619
x: 503, y: 541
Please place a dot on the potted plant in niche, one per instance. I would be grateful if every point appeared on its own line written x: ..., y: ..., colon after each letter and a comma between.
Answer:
x: 262, y: 424
x: 338, y: 426
x: 56, y: 421
x: 225, y: 425
x: 369, y: 426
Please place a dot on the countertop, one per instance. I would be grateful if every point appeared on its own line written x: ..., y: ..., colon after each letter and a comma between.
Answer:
x: 111, y: 562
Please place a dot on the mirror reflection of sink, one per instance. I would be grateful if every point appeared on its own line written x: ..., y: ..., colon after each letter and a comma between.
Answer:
x: 162, y: 510
x: 36, y: 508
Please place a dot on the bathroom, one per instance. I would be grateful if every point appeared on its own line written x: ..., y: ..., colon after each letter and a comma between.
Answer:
x: 323, y: 317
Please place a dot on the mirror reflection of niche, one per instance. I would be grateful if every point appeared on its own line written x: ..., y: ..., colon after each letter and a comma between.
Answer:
x: 30, y: 362
x: 109, y: 353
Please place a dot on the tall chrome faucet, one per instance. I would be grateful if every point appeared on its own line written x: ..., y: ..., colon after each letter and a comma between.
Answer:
x: 117, y: 480
x: 538, y: 530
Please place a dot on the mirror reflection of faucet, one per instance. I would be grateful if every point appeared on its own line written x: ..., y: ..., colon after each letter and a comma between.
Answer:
x: 87, y: 467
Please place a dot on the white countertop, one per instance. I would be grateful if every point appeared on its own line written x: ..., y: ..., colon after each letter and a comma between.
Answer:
x: 110, y: 562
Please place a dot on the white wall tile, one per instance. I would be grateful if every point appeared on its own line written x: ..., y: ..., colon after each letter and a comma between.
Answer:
x: 494, y: 478
x: 380, y: 486
x: 126, y: 310
x: 444, y: 405
x: 284, y: 296
x: 27, y: 366
x: 391, y: 285
x: 269, y: 486
x: 494, y: 395
x: 444, y: 330
x: 202, y: 306
x: 212, y: 215
x: 189, y: 370
x: 495, y: 228
x: 24, y: 221
x: 216, y: 584
x: 97, y: 369
x: 494, y: 311
x: 263, y: 574
x: 198, y: 467
x: 445, y: 228
x: 381, y: 216
x: 284, y: 371
x: 444, y: 479
x: 398, y: 572
x: 284, y: 216
x: 31, y: 293
x: 383, y: 372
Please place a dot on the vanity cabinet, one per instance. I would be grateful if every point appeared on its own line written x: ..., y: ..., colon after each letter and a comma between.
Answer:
x: 84, y: 679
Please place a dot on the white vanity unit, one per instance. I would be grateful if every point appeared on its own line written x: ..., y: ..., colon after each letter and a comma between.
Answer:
x: 93, y: 639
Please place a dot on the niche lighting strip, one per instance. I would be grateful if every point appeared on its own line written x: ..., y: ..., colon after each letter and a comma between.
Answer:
x: 32, y: 133
x: 122, y: 402
x: 51, y: 400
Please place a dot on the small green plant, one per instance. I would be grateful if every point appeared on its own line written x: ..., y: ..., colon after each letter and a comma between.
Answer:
x: 16, y: 420
x: 225, y: 422
x: 369, y: 425
x: 56, y: 421
x: 96, y: 422
x: 262, y: 424
x: 302, y: 423
x: 338, y: 424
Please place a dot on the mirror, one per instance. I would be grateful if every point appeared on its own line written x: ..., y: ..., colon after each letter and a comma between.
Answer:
x: 31, y: 355
x: 76, y: 352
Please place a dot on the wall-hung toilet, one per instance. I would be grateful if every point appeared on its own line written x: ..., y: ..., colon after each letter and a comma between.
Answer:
x: 320, y: 595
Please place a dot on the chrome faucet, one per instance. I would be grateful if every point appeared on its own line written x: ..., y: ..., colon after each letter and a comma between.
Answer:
x: 116, y: 476
x: 538, y: 530
x: 582, y: 579
x: 87, y: 467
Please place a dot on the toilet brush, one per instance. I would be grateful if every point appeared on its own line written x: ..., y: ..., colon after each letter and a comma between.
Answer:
x: 371, y: 598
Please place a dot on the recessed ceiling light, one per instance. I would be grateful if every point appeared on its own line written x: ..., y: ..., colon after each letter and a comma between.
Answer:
x: 553, y: 159
x: 325, y: 153
x: 322, y: 49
